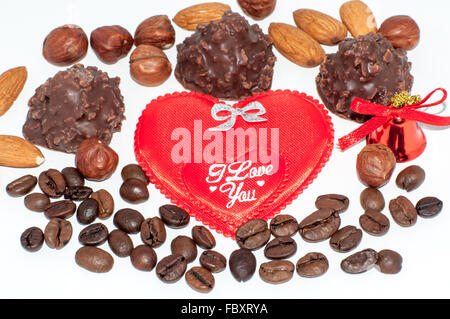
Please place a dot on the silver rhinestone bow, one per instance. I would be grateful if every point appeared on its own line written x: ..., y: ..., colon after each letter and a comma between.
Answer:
x: 247, y: 113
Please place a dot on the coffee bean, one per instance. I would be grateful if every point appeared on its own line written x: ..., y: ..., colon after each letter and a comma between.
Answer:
x: 93, y: 235
x: 360, y: 261
x: 213, y: 261
x: 94, y: 259
x: 120, y: 243
x: 410, y: 178
x: 60, y: 209
x: 253, y: 234
x: 87, y: 211
x: 73, y: 177
x: 32, y: 239
x: 37, y: 202
x: 171, y: 268
x: 276, y: 271
x: 203, y: 237
x: 338, y: 203
x: 77, y: 193
x: 283, y: 225
x: 429, y: 207
x: 105, y: 203
x: 346, y: 239
x: 242, y: 264
x: 200, y: 279
x: 134, y: 191
x: 403, y: 211
x: 153, y: 232
x: 389, y: 262
x: 128, y: 220
x: 52, y: 183
x: 174, y: 216
x: 134, y: 171
x: 184, y: 246
x: 143, y: 257
x: 57, y: 233
x: 21, y: 186
x: 320, y: 225
x: 374, y: 222
x: 280, y: 248
x: 312, y: 265
x: 372, y: 198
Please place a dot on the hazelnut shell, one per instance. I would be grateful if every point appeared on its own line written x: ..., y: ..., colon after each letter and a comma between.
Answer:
x: 375, y: 165
x: 401, y: 31
x: 149, y: 65
x: 111, y: 43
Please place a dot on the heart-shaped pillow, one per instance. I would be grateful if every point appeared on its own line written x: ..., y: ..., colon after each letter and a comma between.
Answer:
x: 228, y: 165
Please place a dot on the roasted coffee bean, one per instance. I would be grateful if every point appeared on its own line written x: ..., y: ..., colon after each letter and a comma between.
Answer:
x: 134, y: 171
x: 276, y: 271
x: 253, y: 234
x: 77, y: 193
x: 128, y: 220
x: 21, y: 186
x: 37, y: 202
x: 32, y: 239
x: 105, y: 203
x: 143, y: 257
x: 283, y: 225
x: 57, y: 233
x: 60, y: 209
x: 374, y: 222
x: 203, y: 237
x: 410, y: 178
x: 184, y: 246
x: 93, y: 235
x: 389, y: 262
x: 134, y: 191
x: 213, y: 261
x: 360, y: 261
x: 338, y: 203
x: 120, y: 243
x: 312, y: 265
x: 87, y: 211
x: 280, y: 248
x: 372, y: 198
x: 52, y: 183
x: 171, y: 268
x: 346, y: 239
x: 242, y: 264
x: 94, y: 259
x: 174, y: 216
x: 73, y: 177
x: 429, y: 207
x: 200, y: 279
x: 153, y: 232
x: 403, y: 211
x: 320, y: 225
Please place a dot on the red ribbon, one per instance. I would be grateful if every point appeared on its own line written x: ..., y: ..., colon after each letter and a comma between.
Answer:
x: 383, y: 114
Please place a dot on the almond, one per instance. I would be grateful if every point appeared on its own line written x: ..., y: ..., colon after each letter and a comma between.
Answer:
x: 322, y: 27
x: 11, y: 84
x: 17, y: 152
x: 202, y: 13
x: 296, y: 45
x: 358, y: 18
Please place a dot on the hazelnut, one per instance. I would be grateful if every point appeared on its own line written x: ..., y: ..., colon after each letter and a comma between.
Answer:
x: 96, y: 160
x: 157, y: 31
x: 375, y: 164
x: 257, y: 9
x: 111, y: 43
x: 401, y: 31
x: 65, y: 45
x: 149, y: 65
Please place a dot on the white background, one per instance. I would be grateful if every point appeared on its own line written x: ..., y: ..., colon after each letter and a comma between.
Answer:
x: 54, y: 274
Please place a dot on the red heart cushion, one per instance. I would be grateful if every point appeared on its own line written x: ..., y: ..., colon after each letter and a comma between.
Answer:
x: 225, y: 180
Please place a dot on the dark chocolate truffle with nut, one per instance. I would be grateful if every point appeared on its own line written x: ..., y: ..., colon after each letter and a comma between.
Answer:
x: 367, y: 67
x: 227, y: 59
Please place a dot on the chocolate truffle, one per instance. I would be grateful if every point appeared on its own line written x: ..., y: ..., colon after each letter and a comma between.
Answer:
x: 227, y: 59
x: 76, y: 104
x: 367, y: 67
